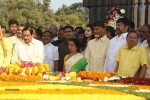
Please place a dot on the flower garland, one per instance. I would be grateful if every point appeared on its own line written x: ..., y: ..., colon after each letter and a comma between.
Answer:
x: 113, y: 15
x: 95, y: 75
x: 64, y: 92
x: 141, y: 81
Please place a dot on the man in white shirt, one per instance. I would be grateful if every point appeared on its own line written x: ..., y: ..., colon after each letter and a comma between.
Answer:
x: 51, y: 55
x: 119, y: 40
x: 18, y: 36
x: 97, y: 48
x: 29, y: 49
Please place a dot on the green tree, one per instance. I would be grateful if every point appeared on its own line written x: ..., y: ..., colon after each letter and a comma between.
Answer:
x: 72, y: 15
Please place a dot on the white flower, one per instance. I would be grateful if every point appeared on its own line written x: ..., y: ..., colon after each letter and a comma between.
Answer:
x: 117, y: 16
x: 106, y: 79
x: 122, y: 11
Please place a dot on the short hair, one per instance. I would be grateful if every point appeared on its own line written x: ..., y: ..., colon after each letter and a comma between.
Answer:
x: 2, y: 26
x: 61, y: 29
x: 68, y: 27
x: 39, y: 32
x: 133, y: 31
x: 13, y: 21
x: 81, y: 32
x: 131, y: 24
x: 124, y: 20
x: 147, y: 26
x: 27, y: 28
x: 99, y: 24
x: 22, y: 25
x: 81, y: 28
x: 53, y: 26
x: 48, y: 32
x: 111, y: 30
x: 76, y: 42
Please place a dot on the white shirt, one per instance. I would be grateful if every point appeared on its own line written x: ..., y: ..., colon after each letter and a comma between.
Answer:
x: 115, y: 44
x: 54, y: 39
x: 14, y: 39
x: 33, y: 52
x: 51, y: 54
x: 144, y: 44
x: 96, y: 53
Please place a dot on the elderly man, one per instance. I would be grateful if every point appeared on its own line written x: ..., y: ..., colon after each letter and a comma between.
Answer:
x: 142, y: 31
x: 96, y: 48
x: 5, y: 51
x: 29, y: 49
x: 130, y: 57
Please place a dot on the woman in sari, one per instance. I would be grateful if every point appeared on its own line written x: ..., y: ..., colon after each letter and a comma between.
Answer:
x: 74, y: 62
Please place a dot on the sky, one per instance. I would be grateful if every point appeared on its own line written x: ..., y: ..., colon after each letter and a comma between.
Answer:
x: 55, y: 4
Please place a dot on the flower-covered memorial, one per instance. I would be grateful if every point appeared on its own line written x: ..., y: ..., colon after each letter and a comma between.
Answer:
x: 113, y: 15
x: 27, y: 81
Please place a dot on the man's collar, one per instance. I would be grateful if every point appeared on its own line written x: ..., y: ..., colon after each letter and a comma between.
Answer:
x: 124, y: 34
x: 32, y: 42
x: 102, y: 38
x: 134, y: 48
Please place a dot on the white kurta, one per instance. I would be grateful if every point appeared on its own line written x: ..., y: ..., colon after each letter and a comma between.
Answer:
x: 14, y: 39
x: 115, y: 44
x: 33, y: 52
x: 50, y: 55
x: 96, y: 53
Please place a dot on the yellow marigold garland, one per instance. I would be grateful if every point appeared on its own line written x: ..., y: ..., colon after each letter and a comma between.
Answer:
x: 29, y: 90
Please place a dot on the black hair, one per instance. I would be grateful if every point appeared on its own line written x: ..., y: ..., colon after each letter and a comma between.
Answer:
x: 124, y: 20
x: 39, y: 32
x: 111, y: 30
x: 68, y: 27
x: 27, y: 28
x: 13, y: 21
x: 91, y: 26
x: 133, y: 31
x: 83, y: 44
x: 33, y: 28
x: 61, y: 29
x: 76, y: 42
x: 81, y: 32
x: 2, y: 26
x: 99, y: 24
x: 81, y: 28
x: 131, y: 25
x: 47, y: 32
x: 22, y: 25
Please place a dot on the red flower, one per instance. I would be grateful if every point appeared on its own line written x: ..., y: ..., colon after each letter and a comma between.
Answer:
x: 113, y: 8
x: 115, y: 12
x: 112, y: 16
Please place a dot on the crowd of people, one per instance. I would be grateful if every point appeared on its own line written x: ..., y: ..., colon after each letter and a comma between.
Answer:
x: 96, y: 47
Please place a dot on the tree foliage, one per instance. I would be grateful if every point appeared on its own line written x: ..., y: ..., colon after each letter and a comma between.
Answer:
x: 74, y: 15
x: 39, y: 14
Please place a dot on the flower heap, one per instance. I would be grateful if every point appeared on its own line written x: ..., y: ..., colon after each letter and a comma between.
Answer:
x: 113, y: 15
x: 95, y: 75
x: 27, y: 68
x: 141, y: 81
x: 61, y: 76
